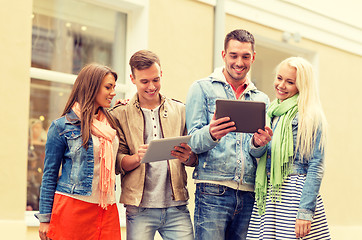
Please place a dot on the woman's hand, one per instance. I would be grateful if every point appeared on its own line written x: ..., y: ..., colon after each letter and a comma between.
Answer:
x: 262, y: 137
x: 43, y: 230
x: 122, y: 101
x: 302, y: 228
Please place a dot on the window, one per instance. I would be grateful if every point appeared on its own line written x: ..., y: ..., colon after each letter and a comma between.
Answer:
x: 66, y: 35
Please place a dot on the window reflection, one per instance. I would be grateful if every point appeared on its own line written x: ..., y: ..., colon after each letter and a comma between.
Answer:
x: 67, y: 34
x: 37, y: 139
x: 47, y: 100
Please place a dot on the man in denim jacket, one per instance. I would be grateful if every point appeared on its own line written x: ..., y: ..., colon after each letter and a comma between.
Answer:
x: 225, y: 173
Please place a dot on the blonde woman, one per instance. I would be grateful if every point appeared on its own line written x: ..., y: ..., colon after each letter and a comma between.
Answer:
x: 291, y: 166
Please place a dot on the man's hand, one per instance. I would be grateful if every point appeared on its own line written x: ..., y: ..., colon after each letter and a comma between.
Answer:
x: 141, y: 152
x: 131, y: 162
x: 182, y: 152
x: 220, y: 127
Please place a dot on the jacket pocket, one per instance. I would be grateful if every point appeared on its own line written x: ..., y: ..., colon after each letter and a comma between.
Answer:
x: 211, y: 105
x: 77, y: 169
x: 74, y: 140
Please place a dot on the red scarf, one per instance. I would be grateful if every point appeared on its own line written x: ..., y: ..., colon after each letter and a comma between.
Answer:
x: 102, y: 129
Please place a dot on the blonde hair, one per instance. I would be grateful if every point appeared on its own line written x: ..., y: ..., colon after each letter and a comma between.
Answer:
x: 311, y: 116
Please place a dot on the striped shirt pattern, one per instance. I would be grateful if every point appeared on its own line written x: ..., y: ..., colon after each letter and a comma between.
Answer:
x: 278, y: 222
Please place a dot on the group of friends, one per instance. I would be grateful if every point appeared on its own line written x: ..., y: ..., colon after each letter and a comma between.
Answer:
x: 263, y: 185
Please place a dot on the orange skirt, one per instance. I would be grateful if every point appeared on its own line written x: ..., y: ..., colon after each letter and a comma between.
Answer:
x: 78, y: 220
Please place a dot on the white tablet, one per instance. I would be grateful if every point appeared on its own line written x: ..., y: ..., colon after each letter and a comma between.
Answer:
x: 160, y: 149
x: 249, y: 116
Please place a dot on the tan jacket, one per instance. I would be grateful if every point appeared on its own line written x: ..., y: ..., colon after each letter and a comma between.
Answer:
x: 131, y: 122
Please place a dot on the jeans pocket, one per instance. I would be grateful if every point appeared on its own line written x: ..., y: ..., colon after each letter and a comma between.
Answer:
x: 212, y: 189
x: 132, y: 211
x: 251, y: 195
x: 182, y: 208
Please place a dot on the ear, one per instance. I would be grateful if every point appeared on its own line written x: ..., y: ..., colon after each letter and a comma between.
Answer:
x: 223, y: 54
x: 253, y: 57
x: 132, y: 78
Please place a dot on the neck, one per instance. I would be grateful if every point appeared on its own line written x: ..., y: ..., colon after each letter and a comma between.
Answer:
x: 150, y: 104
x: 234, y: 82
x: 96, y: 111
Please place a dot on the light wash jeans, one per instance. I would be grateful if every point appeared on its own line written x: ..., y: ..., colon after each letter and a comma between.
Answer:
x: 173, y: 223
x: 221, y: 212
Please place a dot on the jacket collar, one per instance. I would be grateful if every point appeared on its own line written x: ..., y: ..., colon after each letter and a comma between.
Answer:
x: 71, y: 118
x: 135, y: 101
x: 218, y: 76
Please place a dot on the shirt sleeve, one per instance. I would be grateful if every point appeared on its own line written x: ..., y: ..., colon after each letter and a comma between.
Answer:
x: 54, y: 152
x: 198, y: 120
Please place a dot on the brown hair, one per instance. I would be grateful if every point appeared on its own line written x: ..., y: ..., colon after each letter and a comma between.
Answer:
x: 84, y: 91
x: 240, y: 35
x: 143, y: 59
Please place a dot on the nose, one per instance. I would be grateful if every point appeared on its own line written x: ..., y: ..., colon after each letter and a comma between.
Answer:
x: 239, y: 62
x: 281, y: 84
x: 113, y: 93
x: 151, y: 86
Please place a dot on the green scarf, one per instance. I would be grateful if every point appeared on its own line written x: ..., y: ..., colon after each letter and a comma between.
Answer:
x: 281, y: 151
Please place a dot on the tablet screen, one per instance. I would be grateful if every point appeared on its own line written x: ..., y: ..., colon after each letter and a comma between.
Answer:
x: 249, y: 116
x: 160, y: 149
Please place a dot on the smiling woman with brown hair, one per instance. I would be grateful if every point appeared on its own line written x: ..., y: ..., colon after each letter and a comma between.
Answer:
x: 83, y: 143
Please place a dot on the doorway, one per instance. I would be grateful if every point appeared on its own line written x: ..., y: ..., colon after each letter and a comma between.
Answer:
x: 269, y: 53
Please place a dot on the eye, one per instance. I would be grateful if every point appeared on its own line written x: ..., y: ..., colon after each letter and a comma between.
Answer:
x: 246, y: 57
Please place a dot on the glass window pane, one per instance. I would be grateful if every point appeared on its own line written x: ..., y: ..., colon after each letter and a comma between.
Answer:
x: 67, y: 34
x: 47, y: 100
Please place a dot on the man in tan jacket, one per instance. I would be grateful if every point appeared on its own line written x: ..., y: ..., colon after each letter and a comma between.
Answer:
x: 154, y: 194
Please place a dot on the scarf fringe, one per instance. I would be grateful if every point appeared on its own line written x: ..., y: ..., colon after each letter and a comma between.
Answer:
x: 102, y: 129
x: 281, y: 153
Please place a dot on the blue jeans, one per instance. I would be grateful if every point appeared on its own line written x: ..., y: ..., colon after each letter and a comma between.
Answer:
x: 171, y: 223
x: 221, y: 212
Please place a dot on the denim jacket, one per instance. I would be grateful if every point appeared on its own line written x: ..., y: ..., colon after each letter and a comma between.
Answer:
x: 229, y: 158
x: 64, y: 149
x: 312, y: 168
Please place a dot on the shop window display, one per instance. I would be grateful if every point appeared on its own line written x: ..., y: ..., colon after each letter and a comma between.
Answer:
x: 47, y: 100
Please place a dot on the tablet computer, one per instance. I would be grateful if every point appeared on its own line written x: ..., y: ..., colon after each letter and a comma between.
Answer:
x: 160, y: 149
x: 249, y: 116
